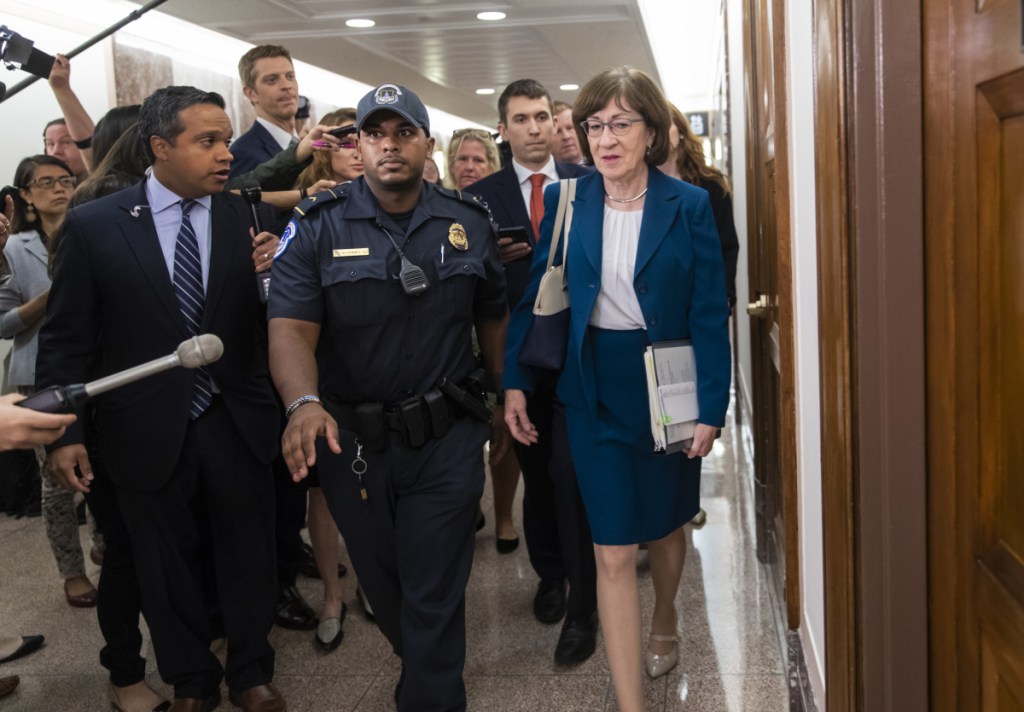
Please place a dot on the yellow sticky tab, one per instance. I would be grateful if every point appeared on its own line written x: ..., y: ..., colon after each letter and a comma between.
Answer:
x: 353, y: 252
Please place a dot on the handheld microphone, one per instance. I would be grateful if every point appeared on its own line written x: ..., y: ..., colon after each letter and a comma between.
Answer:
x: 254, y: 196
x: 193, y: 353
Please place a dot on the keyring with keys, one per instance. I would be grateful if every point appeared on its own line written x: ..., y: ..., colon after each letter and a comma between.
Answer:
x: 359, y: 468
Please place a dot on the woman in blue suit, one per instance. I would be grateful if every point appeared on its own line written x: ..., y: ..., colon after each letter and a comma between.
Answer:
x: 644, y: 265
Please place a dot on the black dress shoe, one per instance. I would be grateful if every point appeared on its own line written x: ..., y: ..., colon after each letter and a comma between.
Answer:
x: 29, y: 644
x: 307, y: 564
x: 577, y: 641
x: 549, y: 603
x: 293, y: 612
x: 506, y: 546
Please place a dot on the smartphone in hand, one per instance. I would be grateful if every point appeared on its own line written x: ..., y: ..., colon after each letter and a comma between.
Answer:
x: 518, y: 234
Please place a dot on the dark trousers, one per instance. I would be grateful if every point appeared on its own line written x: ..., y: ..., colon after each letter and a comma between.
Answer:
x: 411, y: 543
x: 205, y: 542
x: 120, y: 601
x: 554, y: 520
x: 289, y: 518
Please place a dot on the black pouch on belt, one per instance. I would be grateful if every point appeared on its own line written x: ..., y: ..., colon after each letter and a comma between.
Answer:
x: 414, y: 422
x: 371, y: 426
x: 437, y: 410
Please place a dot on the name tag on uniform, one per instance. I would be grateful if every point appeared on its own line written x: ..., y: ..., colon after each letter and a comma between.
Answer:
x: 353, y: 252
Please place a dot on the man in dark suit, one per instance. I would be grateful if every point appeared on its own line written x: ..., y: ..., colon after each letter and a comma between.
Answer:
x: 268, y: 82
x: 189, y: 450
x: 557, y: 534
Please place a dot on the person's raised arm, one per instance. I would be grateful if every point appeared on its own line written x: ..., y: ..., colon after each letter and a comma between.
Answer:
x: 79, y: 123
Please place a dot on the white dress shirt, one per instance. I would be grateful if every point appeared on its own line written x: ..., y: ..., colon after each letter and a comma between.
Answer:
x: 617, y: 306
x: 523, y: 174
x: 283, y: 138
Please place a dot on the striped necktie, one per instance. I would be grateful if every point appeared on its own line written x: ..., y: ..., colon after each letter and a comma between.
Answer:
x: 188, y: 288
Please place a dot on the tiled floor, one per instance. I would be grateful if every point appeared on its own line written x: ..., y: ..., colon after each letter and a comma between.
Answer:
x: 731, y: 659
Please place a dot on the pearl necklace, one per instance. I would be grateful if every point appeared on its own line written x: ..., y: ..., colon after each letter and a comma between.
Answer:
x: 626, y: 200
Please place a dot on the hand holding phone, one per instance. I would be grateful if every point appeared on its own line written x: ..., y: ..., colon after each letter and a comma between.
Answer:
x: 514, y: 243
x: 518, y: 234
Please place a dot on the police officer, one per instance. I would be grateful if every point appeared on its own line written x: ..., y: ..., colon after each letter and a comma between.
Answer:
x: 377, y: 287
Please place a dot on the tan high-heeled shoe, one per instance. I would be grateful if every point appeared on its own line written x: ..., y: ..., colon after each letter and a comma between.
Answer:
x: 658, y: 665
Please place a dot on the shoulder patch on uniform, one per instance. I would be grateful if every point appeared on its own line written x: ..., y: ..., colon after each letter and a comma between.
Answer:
x: 318, y: 200
x: 469, y: 199
x: 286, y: 237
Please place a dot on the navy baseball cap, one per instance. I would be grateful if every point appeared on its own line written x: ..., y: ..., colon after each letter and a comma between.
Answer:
x: 391, y: 97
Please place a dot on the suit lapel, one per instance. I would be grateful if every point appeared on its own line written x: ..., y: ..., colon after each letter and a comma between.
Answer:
x: 660, y: 209
x: 139, y: 232
x: 588, y: 221
x: 223, y: 244
x: 37, y: 249
x: 511, y: 197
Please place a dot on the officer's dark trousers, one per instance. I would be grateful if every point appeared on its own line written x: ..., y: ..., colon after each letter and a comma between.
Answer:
x: 411, y: 543
x: 554, y: 519
x: 207, y: 534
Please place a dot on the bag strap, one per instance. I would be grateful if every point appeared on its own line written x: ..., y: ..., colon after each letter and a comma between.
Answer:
x: 570, y: 186
x: 566, y: 194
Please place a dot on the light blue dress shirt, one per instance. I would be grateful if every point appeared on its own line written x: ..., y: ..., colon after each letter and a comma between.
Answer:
x: 166, y: 208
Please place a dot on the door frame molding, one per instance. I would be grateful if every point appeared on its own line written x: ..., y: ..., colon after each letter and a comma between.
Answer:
x: 871, y: 296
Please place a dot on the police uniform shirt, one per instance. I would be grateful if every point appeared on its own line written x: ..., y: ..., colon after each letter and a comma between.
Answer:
x: 337, y: 267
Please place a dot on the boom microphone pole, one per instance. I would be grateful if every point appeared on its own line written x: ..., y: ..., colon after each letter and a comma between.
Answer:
x: 132, y: 17
x: 191, y: 353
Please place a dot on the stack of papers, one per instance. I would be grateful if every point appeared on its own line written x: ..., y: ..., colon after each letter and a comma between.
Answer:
x: 672, y: 394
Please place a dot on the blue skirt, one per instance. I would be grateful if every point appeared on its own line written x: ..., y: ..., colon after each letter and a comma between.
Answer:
x: 631, y: 494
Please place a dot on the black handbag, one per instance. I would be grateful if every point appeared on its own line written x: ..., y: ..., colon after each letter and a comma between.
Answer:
x: 547, y: 338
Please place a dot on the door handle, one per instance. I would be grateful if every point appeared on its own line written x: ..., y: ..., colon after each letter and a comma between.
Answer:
x: 758, y: 308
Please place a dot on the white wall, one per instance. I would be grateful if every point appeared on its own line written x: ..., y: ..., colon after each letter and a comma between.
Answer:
x: 800, y: 89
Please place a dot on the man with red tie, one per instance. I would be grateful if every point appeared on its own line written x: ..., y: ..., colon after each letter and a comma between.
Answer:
x: 557, y: 534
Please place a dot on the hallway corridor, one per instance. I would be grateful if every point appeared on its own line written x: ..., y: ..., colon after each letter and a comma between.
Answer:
x: 731, y: 657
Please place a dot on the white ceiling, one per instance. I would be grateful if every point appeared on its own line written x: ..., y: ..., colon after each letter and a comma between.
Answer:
x: 437, y: 47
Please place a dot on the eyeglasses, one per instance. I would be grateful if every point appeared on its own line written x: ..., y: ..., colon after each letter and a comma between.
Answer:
x: 618, y: 127
x: 47, y: 183
x: 478, y: 134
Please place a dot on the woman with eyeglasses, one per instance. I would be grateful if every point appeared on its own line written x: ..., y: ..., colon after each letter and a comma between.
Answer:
x: 644, y: 265
x: 341, y: 164
x: 46, y: 184
x: 472, y: 156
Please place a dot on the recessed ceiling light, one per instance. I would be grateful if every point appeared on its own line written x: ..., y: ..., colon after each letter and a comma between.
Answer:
x: 361, y: 24
x: 485, y: 91
x: 568, y: 87
x: 490, y: 16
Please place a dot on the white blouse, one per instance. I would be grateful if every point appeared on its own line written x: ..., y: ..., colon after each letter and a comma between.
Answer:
x: 617, y: 306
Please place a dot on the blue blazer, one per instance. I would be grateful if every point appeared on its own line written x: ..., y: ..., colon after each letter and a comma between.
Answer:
x: 252, y: 148
x: 679, y: 282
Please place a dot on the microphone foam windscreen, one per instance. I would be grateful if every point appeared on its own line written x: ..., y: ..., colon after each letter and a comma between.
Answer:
x: 200, y: 350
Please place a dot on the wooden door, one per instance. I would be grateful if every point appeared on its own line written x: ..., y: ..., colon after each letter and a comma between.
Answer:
x: 974, y: 199
x: 771, y: 324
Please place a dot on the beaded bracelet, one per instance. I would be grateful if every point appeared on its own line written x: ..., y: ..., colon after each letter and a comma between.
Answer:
x: 299, y: 402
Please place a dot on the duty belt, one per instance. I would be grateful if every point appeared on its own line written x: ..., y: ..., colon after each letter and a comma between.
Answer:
x: 417, y: 418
